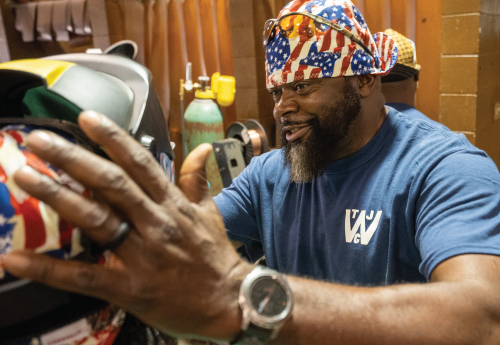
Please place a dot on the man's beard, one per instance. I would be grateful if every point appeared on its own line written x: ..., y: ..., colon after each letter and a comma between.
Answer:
x: 311, y: 158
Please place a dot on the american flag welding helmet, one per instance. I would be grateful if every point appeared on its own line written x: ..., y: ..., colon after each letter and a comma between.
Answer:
x: 328, y: 52
x: 25, y: 222
x: 32, y: 313
x: 49, y: 94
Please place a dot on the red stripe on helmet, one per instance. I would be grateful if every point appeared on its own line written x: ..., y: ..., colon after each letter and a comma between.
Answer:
x: 3, y: 175
x: 33, y: 161
x: 14, y: 134
x: 66, y: 233
x: 35, y: 233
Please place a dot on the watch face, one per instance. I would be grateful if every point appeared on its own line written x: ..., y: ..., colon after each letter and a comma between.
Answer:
x: 268, y: 297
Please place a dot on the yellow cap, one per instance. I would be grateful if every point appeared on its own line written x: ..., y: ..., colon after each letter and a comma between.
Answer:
x: 207, y: 94
x: 225, y: 88
x: 222, y: 87
x: 407, y: 51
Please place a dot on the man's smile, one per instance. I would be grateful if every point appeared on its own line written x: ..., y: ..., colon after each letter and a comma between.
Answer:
x: 295, y: 132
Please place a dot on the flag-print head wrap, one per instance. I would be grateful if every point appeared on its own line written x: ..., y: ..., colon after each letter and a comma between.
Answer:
x: 328, y: 52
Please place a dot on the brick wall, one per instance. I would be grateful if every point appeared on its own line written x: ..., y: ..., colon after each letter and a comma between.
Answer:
x: 488, y: 93
x: 470, y: 71
x: 247, y: 18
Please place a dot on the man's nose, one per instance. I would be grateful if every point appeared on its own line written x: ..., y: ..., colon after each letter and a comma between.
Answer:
x: 287, y: 105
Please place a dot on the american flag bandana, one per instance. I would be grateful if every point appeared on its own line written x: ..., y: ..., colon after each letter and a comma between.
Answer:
x: 328, y: 53
x: 25, y: 222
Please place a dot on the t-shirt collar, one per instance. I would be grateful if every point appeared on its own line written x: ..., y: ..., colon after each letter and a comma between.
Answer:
x: 360, y: 157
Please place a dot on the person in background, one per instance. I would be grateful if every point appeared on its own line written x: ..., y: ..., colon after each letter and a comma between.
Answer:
x: 400, y: 85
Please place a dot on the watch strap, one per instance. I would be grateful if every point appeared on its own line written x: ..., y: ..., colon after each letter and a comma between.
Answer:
x: 253, y: 335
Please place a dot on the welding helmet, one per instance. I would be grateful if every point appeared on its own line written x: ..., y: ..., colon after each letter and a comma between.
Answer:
x: 33, y: 313
x: 49, y: 94
x: 52, y: 91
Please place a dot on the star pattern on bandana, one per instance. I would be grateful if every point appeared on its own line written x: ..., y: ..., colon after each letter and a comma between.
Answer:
x: 359, y: 18
x: 324, y: 60
x: 328, y: 53
x: 278, y: 52
x: 360, y: 64
x: 335, y: 14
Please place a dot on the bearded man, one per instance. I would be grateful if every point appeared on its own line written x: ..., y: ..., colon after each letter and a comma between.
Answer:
x: 360, y: 193
x: 361, y: 199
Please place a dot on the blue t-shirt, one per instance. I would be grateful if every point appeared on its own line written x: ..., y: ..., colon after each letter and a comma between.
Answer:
x: 412, y: 112
x: 414, y: 196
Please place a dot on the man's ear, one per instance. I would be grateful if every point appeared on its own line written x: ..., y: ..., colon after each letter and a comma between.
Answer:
x: 367, y: 84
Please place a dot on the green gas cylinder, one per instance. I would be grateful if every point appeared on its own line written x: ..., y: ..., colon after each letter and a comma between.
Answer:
x: 203, y: 124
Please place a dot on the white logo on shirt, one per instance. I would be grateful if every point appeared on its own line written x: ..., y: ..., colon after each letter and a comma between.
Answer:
x: 351, y: 233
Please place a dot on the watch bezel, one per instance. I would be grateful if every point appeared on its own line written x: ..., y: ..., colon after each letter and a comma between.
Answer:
x: 268, y: 322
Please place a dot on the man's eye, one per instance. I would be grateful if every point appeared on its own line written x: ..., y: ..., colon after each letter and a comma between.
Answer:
x: 300, y: 87
x: 275, y: 94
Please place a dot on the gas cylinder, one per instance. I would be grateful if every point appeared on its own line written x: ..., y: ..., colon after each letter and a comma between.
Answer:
x: 203, y: 124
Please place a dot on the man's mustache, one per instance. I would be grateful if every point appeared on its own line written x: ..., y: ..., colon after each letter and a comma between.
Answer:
x: 297, y: 123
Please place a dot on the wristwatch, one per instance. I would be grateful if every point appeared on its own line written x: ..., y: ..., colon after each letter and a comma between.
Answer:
x: 267, y: 302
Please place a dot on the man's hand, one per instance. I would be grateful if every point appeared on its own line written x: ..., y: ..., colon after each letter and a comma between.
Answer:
x: 178, y: 271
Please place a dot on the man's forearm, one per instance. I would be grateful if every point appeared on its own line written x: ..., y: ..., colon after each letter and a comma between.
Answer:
x: 434, y: 313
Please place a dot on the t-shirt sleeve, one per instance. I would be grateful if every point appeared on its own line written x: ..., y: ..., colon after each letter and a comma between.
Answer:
x: 237, y: 206
x: 458, y: 210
